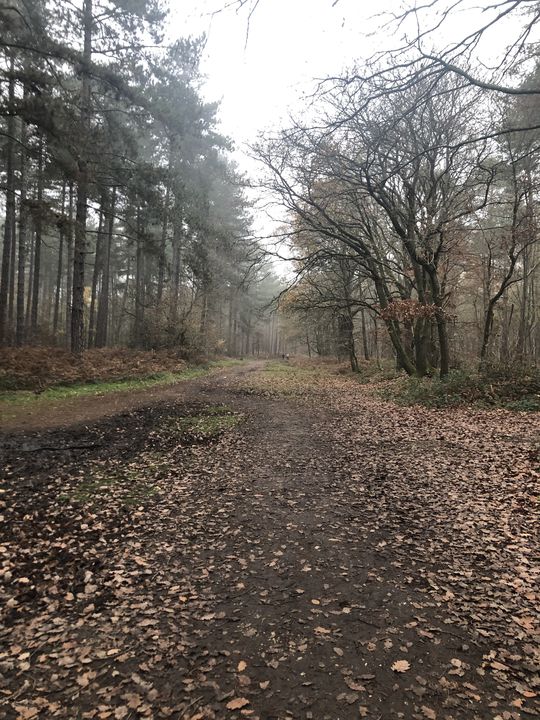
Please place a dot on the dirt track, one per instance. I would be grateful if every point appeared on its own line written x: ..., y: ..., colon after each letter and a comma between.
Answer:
x: 278, y: 570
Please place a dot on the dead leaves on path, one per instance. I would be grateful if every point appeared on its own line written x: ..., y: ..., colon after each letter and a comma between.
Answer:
x: 339, y: 557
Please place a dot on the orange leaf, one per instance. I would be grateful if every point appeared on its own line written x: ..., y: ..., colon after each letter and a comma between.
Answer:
x: 237, y: 703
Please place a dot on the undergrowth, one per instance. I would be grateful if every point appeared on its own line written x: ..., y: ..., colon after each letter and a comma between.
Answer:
x: 513, y: 389
x: 103, y: 387
x: 40, y: 368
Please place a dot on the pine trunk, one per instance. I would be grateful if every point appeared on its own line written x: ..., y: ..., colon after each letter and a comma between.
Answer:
x: 9, y: 223
x: 38, y: 223
x: 59, y: 269
x: 23, y: 240
x: 103, y: 303
x: 79, y: 250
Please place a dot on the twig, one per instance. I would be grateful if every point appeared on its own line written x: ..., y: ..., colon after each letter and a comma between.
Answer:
x: 191, y: 704
x: 59, y: 449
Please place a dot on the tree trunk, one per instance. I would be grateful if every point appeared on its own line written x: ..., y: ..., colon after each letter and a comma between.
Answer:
x: 164, y: 231
x: 103, y: 304
x: 139, y: 285
x: 79, y: 252
x: 125, y: 296
x: 365, y: 344
x: 176, y: 262
x: 96, y: 273
x: 36, y: 283
x: 444, y: 344
x: 59, y: 270
x: 521, y: 344
x: 23, y: 240
x: 488, y: 325
x: 9, y: 224
x: 30, y: 285
x: 69, y: 264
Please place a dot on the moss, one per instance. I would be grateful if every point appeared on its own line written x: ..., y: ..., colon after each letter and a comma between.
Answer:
x: 212, y: 422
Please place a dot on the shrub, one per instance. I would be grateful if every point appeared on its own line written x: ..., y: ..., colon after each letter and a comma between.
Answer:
x: 519, y: 390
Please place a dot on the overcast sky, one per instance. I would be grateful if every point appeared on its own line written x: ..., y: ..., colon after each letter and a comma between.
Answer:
x: 260, y: 68
x: 258, y: 77
x: 261, y: 75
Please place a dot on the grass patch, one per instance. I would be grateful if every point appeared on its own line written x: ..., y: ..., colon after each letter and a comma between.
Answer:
x: 92, y: 389
x: 225, y: 363
x: 125, y: 486
x: 214, y: 421
x: 293, y: 378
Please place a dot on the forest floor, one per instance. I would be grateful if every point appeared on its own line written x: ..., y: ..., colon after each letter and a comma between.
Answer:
x: 271, y: 542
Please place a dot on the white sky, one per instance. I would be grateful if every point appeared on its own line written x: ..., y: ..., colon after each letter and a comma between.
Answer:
x: 290, y: 42
x: 260, y: 80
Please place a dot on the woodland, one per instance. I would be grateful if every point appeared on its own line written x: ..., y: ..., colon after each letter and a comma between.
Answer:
x: 269, y: 441
x: 406, y: 196
x: 411, y: 187
x: 125, y: 220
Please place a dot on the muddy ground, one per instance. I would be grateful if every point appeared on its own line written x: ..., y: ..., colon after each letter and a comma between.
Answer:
x: 266, y: 545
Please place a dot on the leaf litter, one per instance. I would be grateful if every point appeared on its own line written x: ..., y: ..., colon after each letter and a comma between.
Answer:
x: 171, y: 573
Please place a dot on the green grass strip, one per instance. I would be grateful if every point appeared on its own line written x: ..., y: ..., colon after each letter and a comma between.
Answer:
x: 67, y: 392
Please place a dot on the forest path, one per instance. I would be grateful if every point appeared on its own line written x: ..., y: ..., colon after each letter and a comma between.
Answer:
x: 273, y: 545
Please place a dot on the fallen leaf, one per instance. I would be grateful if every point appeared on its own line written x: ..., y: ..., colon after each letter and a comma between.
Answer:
x: 401, y: 666
x: 237, y: 703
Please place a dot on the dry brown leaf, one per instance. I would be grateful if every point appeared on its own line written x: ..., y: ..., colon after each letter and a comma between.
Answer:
x: 354, y: 685
x: 401, y: 666
x: 26, y: 713
x: 237, y: 703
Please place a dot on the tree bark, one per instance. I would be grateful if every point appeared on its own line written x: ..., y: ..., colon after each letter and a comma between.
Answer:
x: 103, y: 303
x: 23, y: 240
x: 38, y: 225
x: 60, y: 266
x: 97, y: 271
x: 164, y: 231
x: 9, y: 223
x: 69, y: 264
x: 139, y: 285
x: 79, y: 252
x: 365, y: 344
